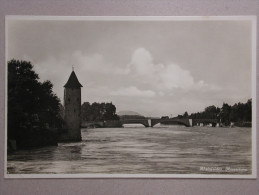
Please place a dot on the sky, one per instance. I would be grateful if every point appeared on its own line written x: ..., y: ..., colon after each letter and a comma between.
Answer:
x: 155, y: 68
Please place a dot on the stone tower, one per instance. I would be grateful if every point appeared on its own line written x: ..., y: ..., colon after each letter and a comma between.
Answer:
x: 72, y: 104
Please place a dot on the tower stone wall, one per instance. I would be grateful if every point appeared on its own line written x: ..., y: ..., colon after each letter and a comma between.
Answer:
x: 72, y: 104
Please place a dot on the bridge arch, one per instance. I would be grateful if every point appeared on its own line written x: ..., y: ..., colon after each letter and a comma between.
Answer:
x: 169, y: 121
x: 134, y: 125
x: 135, y: 121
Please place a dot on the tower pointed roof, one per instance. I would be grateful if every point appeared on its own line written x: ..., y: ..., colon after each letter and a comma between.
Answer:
x: 73, y: 81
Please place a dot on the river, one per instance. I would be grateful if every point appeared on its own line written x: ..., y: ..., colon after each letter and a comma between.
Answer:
x: 138, y: 150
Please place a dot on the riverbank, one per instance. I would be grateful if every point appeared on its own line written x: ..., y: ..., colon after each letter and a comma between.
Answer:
x: 34, y: 138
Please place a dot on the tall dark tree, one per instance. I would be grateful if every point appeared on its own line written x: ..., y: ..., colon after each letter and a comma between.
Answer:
x: 185, y: 115
x: 32, y: 105
x: 211, y: 112
x: 225, y: 114
x: 248, y: 111
x: 241, y: 112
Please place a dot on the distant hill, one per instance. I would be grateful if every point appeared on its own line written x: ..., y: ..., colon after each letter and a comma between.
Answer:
x: 127, y: 112
x: 129, y: 115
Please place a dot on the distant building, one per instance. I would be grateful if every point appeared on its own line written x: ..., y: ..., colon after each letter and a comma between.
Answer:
x: 72, y: 104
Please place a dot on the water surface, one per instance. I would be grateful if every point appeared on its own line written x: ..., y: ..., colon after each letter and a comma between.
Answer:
x: 157, y: 150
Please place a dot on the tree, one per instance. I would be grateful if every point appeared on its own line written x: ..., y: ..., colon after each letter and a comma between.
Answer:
x: 239, y: 112
x: 110, y: 112
x: 211, y: 112
x: 225, y: 114
x: 185, y: 115
x: 98, y: 111
x: 248, y: 111
x: 32, y: 105
x: 85, y: 110
x: 179, y: 116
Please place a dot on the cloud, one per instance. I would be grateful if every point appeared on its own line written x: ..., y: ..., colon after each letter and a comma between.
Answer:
x: 133, y: 91
x: 173, y: 76
x: 90, y: 62
x: 160, y: 93
x: 163, y: 76
x: 142, y: 61
x: 97, y: 63
x: 142, y: 67
x: 141, y: 77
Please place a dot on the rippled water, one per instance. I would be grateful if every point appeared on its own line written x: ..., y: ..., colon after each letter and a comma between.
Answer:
x: 157, y: 150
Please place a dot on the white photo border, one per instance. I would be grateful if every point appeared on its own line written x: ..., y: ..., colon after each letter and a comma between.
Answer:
x: 253, y: 20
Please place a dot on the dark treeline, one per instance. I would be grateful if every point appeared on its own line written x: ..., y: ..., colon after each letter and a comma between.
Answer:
x: 240, y: 113
x: 33, y: 108
x: 98, y: 112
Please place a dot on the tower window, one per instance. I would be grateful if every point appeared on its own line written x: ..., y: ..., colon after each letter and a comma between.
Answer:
x: 74, y: 110
x: 68, y: 99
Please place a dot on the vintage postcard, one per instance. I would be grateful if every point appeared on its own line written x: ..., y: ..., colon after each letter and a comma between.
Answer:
x: 130, y: 97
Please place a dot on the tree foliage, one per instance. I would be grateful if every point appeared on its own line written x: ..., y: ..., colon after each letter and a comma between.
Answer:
x: 185, y: 115
x: 240, y: 112
x: 98, y: 111
x: 32, y: 105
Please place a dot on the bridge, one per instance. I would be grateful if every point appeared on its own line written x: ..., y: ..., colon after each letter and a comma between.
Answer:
x: 150, y: 122
x: 144, y: 122
x: 173, y: 121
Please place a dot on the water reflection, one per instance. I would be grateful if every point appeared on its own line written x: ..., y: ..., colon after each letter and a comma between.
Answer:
x: 159, y: 150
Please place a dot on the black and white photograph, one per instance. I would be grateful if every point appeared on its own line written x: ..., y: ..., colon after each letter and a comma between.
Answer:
x: 130, y: 97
